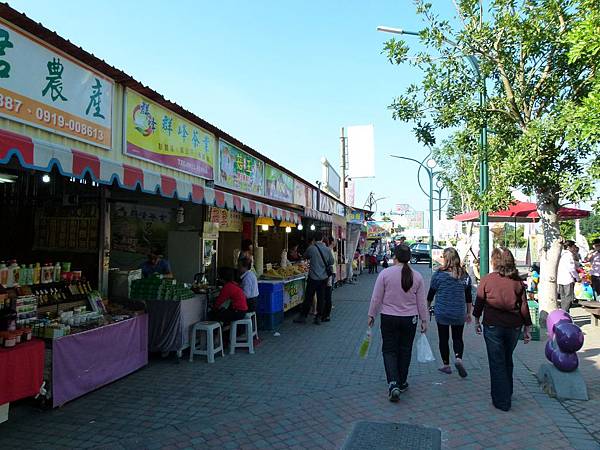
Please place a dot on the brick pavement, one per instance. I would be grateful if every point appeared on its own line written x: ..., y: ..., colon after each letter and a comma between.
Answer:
x: 305, y: 389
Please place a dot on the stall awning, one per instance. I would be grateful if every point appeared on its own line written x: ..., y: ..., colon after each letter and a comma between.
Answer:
x: 43, y: 156
x: 317, y: 215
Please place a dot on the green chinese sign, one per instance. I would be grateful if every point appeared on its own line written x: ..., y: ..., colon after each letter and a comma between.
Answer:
x: 279, y: 185
x: 240, y: 171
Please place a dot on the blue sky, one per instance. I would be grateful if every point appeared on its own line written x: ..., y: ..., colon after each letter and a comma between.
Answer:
x: 280, y: 76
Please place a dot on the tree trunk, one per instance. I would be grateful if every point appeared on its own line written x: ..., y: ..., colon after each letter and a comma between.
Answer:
x: 550, y: 254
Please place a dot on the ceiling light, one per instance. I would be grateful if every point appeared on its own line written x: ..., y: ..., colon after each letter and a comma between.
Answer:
x: 46, y: 178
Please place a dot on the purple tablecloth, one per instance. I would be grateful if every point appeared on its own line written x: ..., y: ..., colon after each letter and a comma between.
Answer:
x: 86, y: 361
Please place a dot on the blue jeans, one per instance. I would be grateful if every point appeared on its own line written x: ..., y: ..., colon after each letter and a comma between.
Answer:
x: 500, y: 343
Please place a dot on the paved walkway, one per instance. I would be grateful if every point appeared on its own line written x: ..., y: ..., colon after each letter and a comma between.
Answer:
x: 304, y: 390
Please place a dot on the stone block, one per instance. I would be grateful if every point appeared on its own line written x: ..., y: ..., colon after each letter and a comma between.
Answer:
x: 562, y: 385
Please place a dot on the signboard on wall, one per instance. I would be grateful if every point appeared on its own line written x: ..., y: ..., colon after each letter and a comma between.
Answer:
x: 158, y: 135
x: 137, y: 228
x: 331, y: 178
x: 43, y: 87
x: 278, y: 185
x: 240, y: 171
x: 300, y: 191
x: 230, y: 221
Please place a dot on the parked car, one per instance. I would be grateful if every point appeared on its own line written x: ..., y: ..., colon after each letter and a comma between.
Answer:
x: 420, y: 252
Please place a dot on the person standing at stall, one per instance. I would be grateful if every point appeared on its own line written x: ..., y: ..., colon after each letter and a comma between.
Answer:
x: 567, y: 275
x: 502, y: 299
x: 249, y: 282
x: 594, y: 259
x: 321, y: 264
x: 400, y: 296
x: 156, y: 264
x: 330, y: 242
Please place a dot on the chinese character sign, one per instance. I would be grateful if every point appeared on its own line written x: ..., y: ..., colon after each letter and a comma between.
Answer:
x: 158, y: 135
x: 279, y: 185
x: 240, y: 171
x: 44, y: 88
x: 228, y: 220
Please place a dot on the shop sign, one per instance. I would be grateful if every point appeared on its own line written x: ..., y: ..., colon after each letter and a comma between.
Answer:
x: 228, y: 220
x: 43, y: 87
x: 311, y: 198
x: 300, y: 191
x: 355, y: 216
x: 240, y: 171
x: 376, y: 229
x: 136, y: 228
x: 279, y: 185
x: 158, y: 135
x: 340, y: 209
x: 326, y: 204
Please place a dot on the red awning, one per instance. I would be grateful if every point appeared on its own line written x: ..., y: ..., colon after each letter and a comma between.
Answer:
x: 43, y: 156
x: 522, y: 212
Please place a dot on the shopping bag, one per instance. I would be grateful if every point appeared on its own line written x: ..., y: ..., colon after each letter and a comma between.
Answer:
x: 424, y: 353
x: 365, y: 344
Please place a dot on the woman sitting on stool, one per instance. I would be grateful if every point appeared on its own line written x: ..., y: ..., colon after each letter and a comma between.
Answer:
x: 231, y: 303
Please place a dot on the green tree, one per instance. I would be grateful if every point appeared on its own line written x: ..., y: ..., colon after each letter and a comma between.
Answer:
x: 533, y: 83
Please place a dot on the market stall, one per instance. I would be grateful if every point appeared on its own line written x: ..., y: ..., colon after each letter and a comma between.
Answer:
x: 21, y: 371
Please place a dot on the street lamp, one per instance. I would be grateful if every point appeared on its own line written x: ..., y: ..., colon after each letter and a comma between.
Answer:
x: 484, y: 235
x: 431, y: 163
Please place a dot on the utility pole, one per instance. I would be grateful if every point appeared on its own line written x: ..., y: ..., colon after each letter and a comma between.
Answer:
x: 343, y: 165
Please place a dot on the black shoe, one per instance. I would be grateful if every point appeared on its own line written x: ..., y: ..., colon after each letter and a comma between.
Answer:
x: 326, y: 319
x: 461, y: 370
x: 403, y: 387
x: 300, y: 319
x: 317, y: 320
x: 393, y: 392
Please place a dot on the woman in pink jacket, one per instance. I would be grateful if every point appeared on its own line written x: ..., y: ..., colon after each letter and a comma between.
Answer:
x: 401, y: 298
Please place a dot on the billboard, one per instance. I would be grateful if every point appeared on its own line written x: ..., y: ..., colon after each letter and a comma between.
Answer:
x: 331, y: 178
x: 45, y: 88
x: 278, y: 185
x: 240, y: 171
x: 361, y: 152
x: 158, y: 135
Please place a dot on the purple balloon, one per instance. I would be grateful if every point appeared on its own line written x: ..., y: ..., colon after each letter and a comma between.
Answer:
x: 553, y: 318
x: 565, y: 362
x: 549, y: 350
x: 569, y: 337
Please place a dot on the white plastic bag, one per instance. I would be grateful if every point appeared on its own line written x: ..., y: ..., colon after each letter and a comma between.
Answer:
x: 424, y: 353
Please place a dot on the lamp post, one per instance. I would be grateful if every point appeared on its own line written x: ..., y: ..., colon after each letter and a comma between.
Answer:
x: 428, y: 166
x: 484, y: 235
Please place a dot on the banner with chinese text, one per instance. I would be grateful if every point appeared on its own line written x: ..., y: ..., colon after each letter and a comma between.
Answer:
x: 43, y: 87
x: 228, y: 220
x: 240, y: 171
x: 158, y: 135
x: 300, y: 193
x: 279, y: 185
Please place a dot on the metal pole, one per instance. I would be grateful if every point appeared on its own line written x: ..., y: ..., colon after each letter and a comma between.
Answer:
x: 430, y: 173
x: 484, y: 229
x: 343, y: 166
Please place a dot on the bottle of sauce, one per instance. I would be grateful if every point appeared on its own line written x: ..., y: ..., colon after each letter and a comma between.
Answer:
x: 13, y: 274
x: 47, y: 273
x: 3, y: 274
x: 37, y: 273
x: 56, y: 274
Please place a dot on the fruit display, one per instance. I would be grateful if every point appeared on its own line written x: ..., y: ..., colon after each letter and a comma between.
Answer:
x: 286, y: 272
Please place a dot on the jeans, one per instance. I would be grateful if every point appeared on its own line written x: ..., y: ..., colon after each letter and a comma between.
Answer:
x: 500, y: 343
x: 398, y: 333
x: 327, y: 302
x: 457, y: 341
x: 312, y: 287
x: 567, y: 295
x: 596, y: 286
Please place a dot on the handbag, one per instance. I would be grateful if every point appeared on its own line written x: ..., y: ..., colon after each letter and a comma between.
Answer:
x: 327, y: 267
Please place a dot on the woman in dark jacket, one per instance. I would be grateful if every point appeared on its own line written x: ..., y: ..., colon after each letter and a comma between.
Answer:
x: 502, y: 298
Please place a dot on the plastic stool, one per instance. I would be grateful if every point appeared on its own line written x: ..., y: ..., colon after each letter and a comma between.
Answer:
x: 209, y: 328
x: 233, y: 342
x: 252, y: 316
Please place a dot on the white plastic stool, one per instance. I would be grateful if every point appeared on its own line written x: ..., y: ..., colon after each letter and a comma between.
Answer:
x: 252, y: 316
x: 209, y: 328
x: 248, y: 342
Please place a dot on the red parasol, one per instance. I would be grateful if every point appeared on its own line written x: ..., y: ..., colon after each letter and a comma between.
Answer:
x: 522, y: 212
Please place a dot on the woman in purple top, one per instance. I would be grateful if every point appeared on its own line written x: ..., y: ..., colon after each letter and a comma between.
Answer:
x: 401, y: 298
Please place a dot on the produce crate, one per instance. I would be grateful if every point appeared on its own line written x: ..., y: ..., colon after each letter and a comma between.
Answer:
x: 269, y: 322
x: 270, y: 303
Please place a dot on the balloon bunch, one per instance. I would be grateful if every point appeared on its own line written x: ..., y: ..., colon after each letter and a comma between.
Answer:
x: 564, y: 339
